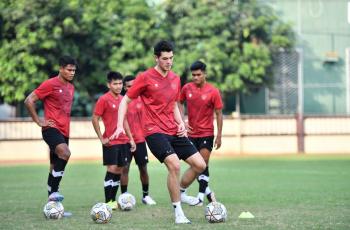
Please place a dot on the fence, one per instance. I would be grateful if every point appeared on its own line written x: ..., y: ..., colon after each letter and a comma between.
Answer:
x: 20, y: 140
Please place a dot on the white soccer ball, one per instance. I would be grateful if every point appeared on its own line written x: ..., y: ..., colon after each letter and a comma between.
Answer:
x: 126, y: 202
x: 101, y: 213
x: 215, y: 212
x: 53, y: 210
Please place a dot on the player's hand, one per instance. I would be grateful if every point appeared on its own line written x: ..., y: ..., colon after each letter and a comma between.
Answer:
x: 188, y: 127
x: 105, y: 141
x: 133, y: 146
x: 117, y: 133
x: 217, y: 142
x: 181, y: 130
x: 47, y: 123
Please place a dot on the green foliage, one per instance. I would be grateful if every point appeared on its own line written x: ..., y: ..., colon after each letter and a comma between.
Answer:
x: 102, y: 35
x: 235, y: 40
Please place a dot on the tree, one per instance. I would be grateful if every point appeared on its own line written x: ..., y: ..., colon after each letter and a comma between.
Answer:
x: 101, y: 34
x: 236, y: 40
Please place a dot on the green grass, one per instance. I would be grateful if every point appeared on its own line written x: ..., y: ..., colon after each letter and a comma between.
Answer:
x: 284, y: 192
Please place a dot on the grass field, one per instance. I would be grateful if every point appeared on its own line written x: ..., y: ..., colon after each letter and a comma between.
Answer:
x: 289, y: 192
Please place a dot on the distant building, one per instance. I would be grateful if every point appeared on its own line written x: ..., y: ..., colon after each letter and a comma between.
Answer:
x: 322, y: 29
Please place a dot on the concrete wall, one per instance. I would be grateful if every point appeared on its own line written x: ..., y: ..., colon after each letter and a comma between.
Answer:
x: 21, y: 140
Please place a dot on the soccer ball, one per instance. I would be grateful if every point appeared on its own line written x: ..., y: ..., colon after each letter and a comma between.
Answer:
x: 53, y: 210
x: 101, y: 213
x: 215, y: 212
x: 126, y: 201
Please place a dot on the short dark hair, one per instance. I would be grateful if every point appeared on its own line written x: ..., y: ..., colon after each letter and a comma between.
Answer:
x: 128, y: 78
x: 162, y: 46
x: 112, y: 75
x: 198, y: 65
x: 67, y: 60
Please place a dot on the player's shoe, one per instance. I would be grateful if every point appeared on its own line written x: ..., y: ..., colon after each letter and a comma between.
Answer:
x: 56, y: 196
x: 67, y: 214
x: 199, y: 202
x: 113, y: 204
x: 148, y: 200
x: 191, y: 200
x: 211, y: 197
x: 181, y: 219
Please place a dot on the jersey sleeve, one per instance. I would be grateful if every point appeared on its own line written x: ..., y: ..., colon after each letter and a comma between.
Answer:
x: 43, y: 90
x: 138, y: 87
x: 217, y: 100
x: 99, y: 107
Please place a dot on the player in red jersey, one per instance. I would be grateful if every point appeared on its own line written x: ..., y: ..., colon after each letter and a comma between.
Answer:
x: 203, y: 100
x: 135, y: 120
x: 114, y: 150
x: 57, y: 96
x: 159, y: 89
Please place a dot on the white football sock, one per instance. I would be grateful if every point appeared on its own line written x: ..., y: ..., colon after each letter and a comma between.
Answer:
x: 178, y: 209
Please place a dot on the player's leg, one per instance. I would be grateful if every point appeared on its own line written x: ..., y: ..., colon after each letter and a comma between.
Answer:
x: 146, y: 198
x: 187, y: 152
x: 205, y: 144
x: 203, y: 178
x: 161, y: 148
x: 59, y: 156
x: 112, y: 182
x: 114, y: 160
x: 197, y: 165
x: 124, y: 180
x: 141, y: 159
x: 172, y: 163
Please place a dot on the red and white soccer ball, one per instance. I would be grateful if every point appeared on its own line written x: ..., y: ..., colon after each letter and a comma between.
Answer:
x: 215, y: 212
x: 53, y: 210
x: 126, y: 202
x: 101, y: 213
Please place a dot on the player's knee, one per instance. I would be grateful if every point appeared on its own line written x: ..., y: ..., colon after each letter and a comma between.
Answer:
x: 63, y: 152
x: 125, y: 170
x: 174, y: 167
x: 200, y: 166
x: 143, y: 169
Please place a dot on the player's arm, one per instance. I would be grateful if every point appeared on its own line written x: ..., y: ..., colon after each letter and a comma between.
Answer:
x: 123, y: 108
x: 29, y: 102
x: 96, y: 125
x: 129, y: 134
x: 181, y: 105
x: 219, y: 123
x: 181, y: 131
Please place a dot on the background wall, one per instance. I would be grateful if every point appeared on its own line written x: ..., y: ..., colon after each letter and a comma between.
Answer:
x: 21, y: 140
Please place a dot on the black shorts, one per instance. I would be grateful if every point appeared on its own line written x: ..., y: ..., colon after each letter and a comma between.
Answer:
x: 115, y: 155
x: 140, y: 155
x: 163, y: 145
x: 203, y: 142
x: 53, y: 137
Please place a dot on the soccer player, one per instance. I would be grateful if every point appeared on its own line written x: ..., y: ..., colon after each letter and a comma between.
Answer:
x: 203, y: 100
x: 114, y: 150
x: 159, y: 90
x: 135, y: 120
x: 56, y: 94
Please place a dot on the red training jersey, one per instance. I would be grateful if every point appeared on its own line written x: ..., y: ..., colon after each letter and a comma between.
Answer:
x: 159, y: 95
x: 107, y: 108
x: 135, y: 120
x: 201, y: 103
x: 57, y: 97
